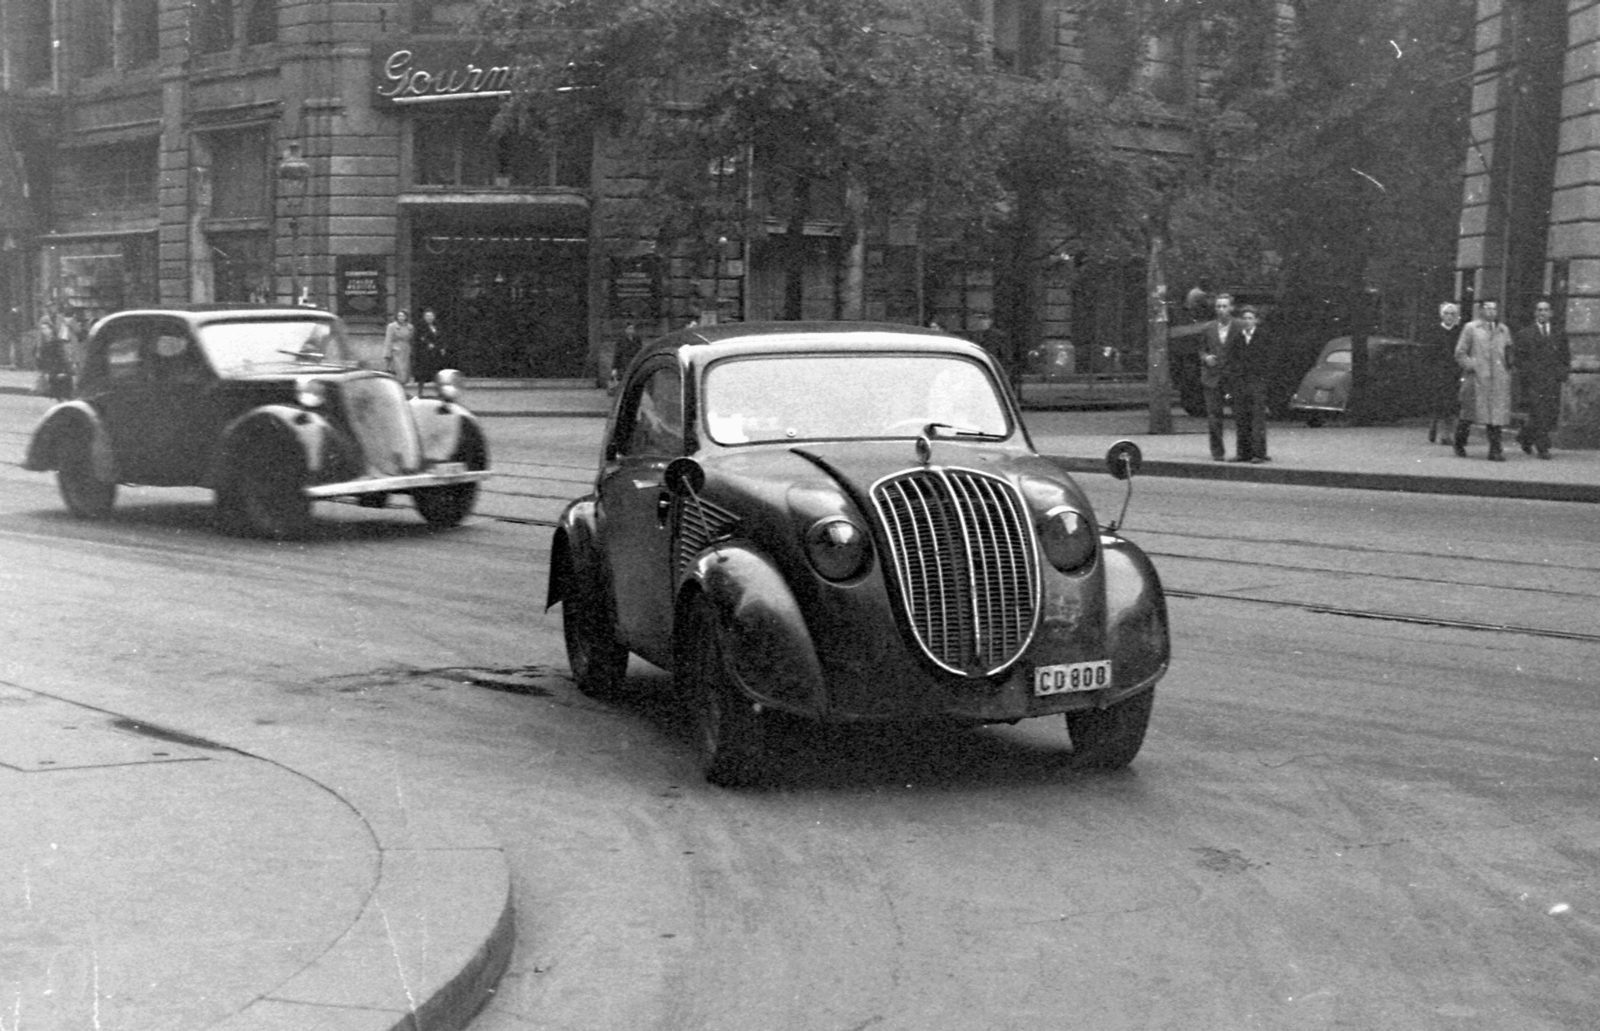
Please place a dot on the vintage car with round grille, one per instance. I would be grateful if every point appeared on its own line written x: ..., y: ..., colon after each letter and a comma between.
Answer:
x: 263, y: 406
x: 845, y: 522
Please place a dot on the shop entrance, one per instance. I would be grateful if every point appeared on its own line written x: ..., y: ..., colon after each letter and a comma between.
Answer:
x: 511, y: 304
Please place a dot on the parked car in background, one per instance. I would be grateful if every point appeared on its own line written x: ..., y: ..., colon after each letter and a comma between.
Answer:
x: 1397, y: 378
x: 259, y: 405
x: 848, y: 521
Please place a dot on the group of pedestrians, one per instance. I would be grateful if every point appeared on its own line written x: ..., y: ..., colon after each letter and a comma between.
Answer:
x: 1473, y: 367
x: 1235, y: 354
x: 415, y: 351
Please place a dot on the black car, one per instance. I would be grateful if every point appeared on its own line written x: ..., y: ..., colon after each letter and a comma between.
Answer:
x: 1397, y: 378
x: 258, y: 405
x: 849, y: 522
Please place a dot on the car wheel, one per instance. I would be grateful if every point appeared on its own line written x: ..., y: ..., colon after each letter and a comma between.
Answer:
x: 265, y: 501
x: 599, y: 662
x: 444, y: 507
x: 1108, y: 739
x: 86, y: 497
x: 730, y: 734
x: 1314, y: 420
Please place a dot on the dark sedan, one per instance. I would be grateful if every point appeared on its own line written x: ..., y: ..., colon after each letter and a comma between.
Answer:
x: 849, y: 522
x: 1397, y: 377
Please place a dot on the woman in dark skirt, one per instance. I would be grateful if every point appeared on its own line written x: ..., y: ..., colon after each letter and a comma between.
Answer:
x: 428, y: 351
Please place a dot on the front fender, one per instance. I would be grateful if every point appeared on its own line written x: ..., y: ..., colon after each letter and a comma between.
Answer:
x: 773, y: 655
x: 449, y: 432
x: 62, y: 422
x: 575, y: 562
x: 272, y: 424
x: 1138, y: 638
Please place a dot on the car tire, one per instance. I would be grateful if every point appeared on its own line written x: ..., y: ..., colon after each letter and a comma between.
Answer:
x: 729, y: 732
x: 86, y: 496
x: 265, y: 500
x: 599, y: 662
x: 1108, y: 739
x: 444, y: 507
x: 1314, y: 420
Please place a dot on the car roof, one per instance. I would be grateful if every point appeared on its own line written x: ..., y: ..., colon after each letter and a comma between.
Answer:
x: 778, y: 337
x: 201, y: 314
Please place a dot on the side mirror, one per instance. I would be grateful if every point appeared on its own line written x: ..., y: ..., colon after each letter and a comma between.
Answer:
x: 684, y: 476
x: 1124, y: 459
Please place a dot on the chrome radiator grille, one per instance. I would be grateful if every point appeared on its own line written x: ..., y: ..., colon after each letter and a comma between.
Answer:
x: 963, y: 556
x: 376, y: 414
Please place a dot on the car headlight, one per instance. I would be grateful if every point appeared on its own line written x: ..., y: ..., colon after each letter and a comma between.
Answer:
x: 448, y: 384
x: 310, y: 393
x: 838, y: 548
x: 1068, y: 539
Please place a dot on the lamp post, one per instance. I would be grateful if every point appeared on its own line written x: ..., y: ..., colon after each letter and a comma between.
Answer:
x: 294, y: 173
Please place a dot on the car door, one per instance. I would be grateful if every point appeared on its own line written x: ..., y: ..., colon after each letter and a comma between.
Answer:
x: 154, y: 385
x: 634, y: 506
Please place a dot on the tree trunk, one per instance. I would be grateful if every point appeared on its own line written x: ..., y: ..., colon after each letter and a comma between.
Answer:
x: 853, y: 300
x: 794, y: 246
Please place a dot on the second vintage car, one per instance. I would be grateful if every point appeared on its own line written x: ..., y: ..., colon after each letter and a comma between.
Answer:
x: 1396, y: 381
x: 845, y: 522
x: 259, y: 405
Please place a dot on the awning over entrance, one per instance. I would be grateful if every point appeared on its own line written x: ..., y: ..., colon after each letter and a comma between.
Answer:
x: 557, y: 213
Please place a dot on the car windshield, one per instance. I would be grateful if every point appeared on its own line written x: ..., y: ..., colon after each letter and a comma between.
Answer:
x: 851, y: 397
x: 252, y: 345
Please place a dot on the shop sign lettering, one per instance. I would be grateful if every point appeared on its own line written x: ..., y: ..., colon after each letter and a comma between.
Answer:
x: 411, y: 76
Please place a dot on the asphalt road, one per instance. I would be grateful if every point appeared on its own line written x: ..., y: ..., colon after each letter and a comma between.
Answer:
x: 1366, y: 799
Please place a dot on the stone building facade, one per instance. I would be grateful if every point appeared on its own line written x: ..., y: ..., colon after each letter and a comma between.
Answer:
x: 339, y: 154
x: 1530, y: 220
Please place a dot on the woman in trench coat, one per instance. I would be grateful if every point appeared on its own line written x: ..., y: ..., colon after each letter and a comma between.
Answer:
x: 1484, y: 355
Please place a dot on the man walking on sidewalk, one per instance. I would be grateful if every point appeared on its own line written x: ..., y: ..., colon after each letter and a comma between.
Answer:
x: 1248, y: 359
x: 1542, y: 359
x: 1484, y: 354
x: 1215, y: 343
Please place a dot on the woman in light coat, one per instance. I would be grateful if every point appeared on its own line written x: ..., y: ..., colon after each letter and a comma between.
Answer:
x: 397, y: 346
x: 1484, y: 355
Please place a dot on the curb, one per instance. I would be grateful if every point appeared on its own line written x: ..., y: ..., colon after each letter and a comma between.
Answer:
x: 1459, y: 486
x: 418, y: 957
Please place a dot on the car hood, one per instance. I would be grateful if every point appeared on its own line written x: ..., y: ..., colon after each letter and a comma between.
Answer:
x: 807, y: 474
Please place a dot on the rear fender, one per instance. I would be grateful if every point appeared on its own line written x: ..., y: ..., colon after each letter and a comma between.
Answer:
x: 60, y: 424
x: 773, y: 653
x: 298, y: 429
x: 575, y: 562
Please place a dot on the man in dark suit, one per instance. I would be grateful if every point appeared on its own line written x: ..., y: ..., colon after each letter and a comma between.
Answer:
x: 1249, y: 359
x: 1214, y: 347
x: 1541, y: 357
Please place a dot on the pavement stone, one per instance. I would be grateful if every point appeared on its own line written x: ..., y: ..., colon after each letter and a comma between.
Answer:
x: 159, y: 881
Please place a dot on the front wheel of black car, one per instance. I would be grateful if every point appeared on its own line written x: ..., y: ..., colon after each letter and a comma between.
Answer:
x: 730, y: 733
x: 1108, y: 739
x: 86, y: 497
x: 266, y: 502
x: 444, y: 507
x: 599, y: 662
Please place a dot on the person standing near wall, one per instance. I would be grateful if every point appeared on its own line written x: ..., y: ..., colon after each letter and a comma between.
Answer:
x: 1542, y: 360
x: 1484, y: 355
x: 1215, y: 344
x: 429, y: 354
x: 1444, y: 376
x: 397, y: 346
x: 1248, y: 363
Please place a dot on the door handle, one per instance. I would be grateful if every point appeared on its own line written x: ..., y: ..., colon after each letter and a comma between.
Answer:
x: 663, y: 508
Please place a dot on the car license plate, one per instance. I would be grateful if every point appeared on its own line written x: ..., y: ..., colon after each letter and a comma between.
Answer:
x: 450, y: 468
x: 1072, y: 676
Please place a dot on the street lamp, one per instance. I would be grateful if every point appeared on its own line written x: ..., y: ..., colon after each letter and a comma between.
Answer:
x: 294, y: 174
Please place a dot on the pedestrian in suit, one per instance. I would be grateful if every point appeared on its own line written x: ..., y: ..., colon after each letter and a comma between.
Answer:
x: 1249, y: 361
x: 429, y: 356
x: 1484, y: 356
x: 1542, y: 361
x: 1214, y: 347
x: 1444, y: 377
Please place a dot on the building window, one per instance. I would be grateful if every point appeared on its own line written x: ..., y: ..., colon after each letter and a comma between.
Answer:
x: 240, y: 178
x: 94, y: 39
x: 1108, y: 40
x: 241, y: 265
x: 460, y: 148
x: 121, y: 177
x: 440, y: 16
x: 33, y: 50
x: 1168, y: 69
x: 142, y: 31
x: 216, y: 25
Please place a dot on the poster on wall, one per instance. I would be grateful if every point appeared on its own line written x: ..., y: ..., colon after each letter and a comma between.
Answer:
x: 362, y: 282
